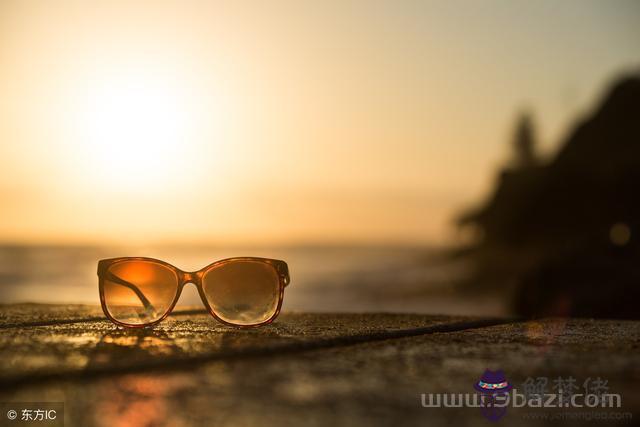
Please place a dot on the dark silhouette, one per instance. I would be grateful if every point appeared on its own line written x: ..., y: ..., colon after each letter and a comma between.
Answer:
x: 563, y: 237
x: 524, y: 143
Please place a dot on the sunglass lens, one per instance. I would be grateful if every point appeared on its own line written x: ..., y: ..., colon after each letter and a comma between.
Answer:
x: 243, y: 292
x: 139, y: 292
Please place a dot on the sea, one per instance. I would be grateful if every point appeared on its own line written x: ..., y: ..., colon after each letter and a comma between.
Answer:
x: 324, y: 278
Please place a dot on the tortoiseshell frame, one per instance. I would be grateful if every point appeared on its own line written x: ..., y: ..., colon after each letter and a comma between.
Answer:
x: 196, y: 278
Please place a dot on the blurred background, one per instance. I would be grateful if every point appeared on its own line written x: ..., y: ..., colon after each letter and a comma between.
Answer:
x: 429, y: 156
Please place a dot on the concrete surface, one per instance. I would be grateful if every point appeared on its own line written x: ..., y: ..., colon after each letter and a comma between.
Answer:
x: 305, y: 369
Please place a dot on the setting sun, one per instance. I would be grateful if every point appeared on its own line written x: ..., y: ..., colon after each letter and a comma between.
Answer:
x: 134, y: 129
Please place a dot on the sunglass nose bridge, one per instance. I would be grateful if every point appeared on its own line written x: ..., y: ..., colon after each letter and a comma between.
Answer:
x: 190, y: 277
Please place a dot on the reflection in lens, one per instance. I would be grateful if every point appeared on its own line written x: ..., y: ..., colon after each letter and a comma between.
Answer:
x: 139, y: 292
x: 243, y: 292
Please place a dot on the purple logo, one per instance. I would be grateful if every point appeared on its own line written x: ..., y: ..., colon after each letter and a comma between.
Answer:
x: 493, y: 387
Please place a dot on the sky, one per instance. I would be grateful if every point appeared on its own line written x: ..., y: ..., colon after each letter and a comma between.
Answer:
x: 287, y: 121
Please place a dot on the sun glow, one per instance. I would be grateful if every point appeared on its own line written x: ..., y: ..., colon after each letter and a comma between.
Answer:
x: 137, y: 129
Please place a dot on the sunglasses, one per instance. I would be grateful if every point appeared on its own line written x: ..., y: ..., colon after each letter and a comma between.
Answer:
x: 242, y: 292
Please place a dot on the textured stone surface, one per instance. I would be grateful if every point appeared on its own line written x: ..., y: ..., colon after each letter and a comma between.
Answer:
x: 320, y: 369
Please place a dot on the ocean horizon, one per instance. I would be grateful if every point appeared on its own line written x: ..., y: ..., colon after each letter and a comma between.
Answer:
x: 324, y: 278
